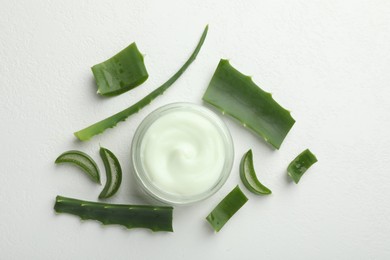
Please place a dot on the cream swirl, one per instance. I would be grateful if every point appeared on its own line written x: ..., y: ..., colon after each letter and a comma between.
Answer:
x: 183, y: 153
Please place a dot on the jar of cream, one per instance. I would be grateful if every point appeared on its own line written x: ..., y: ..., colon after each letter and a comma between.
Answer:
x: 182, y: 153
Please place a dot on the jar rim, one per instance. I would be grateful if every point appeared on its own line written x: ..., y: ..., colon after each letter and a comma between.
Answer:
x: 140, y: 173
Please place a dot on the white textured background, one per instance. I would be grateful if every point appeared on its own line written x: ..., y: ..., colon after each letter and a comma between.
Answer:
x: 326, y: 61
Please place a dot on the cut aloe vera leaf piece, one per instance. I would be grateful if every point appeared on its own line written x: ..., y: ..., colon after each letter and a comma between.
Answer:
x: 155, y: 218
x: 122, y: 72
x: 248, y: 176
x: 226, y: 208
x: 110, y: 122
x: 237, y: 95
x: 113, y: 173
x: 301, y: 164
x: 82, y: 161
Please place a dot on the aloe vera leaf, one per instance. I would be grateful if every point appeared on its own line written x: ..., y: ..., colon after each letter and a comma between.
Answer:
x: 113, y: 173
x: 120, y: 73
x: 82, y: 161
x: 301, y: 164
x: 155, y: 218
x: 248, y: 176
x: 226, y: 208
x: 110, y: 122
x: 238, y: 96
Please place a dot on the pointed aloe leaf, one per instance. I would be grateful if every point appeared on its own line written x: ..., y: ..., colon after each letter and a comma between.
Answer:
x: 248, y: 176
x: 301, y: 164
x: 238, y: 96
x: 226, y: 208
x: 82, y: 161
x: 122, y: 72
x: 99, y: 127
x: 113, y: 173
x: 155, y: 218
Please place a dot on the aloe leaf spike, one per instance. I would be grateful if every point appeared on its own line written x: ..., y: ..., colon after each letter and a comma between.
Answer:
x: 122, y: 72
x: 301, y: 164
x: 235, y: 94
x: 82, y: 161
x: 113, y: 173
x: 248, y: 176
x: 155, y: 218
x: 226, y: 208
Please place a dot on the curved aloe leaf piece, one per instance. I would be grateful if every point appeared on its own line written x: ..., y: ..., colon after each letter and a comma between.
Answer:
x: 82, y: 161
x: 248, y: 176
x: 226, y: 208
x: 113, y: 173
x: 112, y: 121
x: 301, y: 164
x: 124, y: 71
x: 238, y: 96
x: 155, y: 218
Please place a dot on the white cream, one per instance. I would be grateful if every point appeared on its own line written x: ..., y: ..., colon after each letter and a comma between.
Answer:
x: 183, y: 153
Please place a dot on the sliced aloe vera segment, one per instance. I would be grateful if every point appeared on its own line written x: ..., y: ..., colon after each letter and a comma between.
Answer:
x: 113, y: 173
x: 155, y: 218
x: 82, y: 161
x: 301, y: 164
x: 122, y: 72
x: 237, y: 95
x: 248, y: 176
x: 110, y: 122
x: 226, y: 208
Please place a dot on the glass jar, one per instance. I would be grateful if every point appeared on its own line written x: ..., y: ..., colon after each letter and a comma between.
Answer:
x: 167, y: 155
